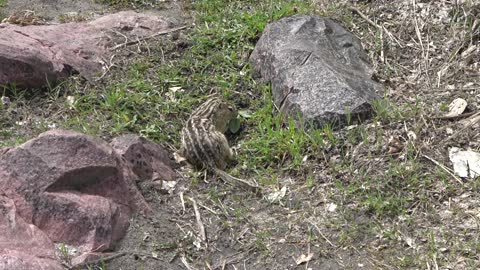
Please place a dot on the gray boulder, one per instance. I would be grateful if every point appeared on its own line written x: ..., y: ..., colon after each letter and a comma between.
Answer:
x: 317, y: 70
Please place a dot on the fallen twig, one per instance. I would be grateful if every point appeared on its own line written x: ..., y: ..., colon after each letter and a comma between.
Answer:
x: 230, y: 259
x: 379, y: 27
x: 234, y: 180
x: 109, y: 258
x: 107, y: 67
x: 183, y: 201
x: 356, y: 10
x: 472, y: 120
x: 321, y: 234
x: 453, y: 117
x: 184, y: 261
x: 201, y: 227
x: 443, y: 168
x: 100, y: 260
x: 148, y: 37
x: 208, y: 209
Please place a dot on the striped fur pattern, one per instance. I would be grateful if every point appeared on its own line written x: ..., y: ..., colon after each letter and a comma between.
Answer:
x: 203, y: 141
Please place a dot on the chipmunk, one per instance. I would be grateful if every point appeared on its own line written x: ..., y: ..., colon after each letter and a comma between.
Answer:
x: 203, y: 141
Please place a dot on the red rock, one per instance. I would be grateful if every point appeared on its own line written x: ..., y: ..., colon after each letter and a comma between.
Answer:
x: 90, y: 221
x: 23, y: 246
x: 73, y: 187
x: 148, y: 160
x: 31, y: 54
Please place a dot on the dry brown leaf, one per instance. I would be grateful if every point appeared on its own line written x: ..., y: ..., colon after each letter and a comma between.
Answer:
x: 456, y: 107
x: 178, y: 158
x: 304, y: 258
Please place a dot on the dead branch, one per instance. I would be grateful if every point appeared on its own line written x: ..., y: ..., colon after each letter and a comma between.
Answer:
x: 148, y: 37
x: 230, y: 259
x: 321, y: 234
x: 234, y: 180
x: 443, y: 168
x: 111, y: 257
x: 201, y: 227
x: 184, y: 261
x: 379, y: 27
x: 469, y: 122
x: 454, y: 117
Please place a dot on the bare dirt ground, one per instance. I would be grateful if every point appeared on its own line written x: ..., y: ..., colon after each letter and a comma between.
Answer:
x: 56, y: 11
x: 378, y: 196
x: 53, y: 10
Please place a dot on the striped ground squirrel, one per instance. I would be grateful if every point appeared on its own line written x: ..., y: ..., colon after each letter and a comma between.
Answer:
x: 204, y: 143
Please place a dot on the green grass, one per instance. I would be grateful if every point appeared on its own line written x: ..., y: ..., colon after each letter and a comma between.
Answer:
x: 2, y: 14
x: 142, y: 101
x: 218, y: 60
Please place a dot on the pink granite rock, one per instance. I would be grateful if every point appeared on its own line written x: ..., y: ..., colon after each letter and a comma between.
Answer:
x: 74, y: 188
x: 148, y: 160
x: 31, y: 55
x: 23, y: 246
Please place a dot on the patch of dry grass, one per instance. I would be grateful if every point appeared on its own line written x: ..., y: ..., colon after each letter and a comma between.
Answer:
x: 426, y: 54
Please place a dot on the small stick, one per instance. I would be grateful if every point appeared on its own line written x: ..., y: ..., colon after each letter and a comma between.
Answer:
x: 208, y: 208
x: 107, y: 66
x: 460, y: 116
x: 103, y: 259
x: 184, y: 261
x: 183, y: 201
x: 443, y: 168
x: 201, y: 228
x: 109, y: 258
x: 354, y: 9
x: 233, y: 258
x: 321, y: 234
x: 472, y: 120
x: 234, y: 180
x: 382, y: 50
x: 148, y: 37
x: 381, y: 28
